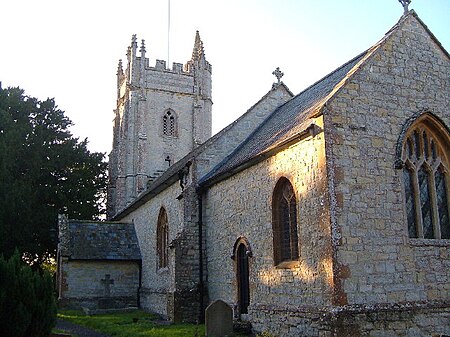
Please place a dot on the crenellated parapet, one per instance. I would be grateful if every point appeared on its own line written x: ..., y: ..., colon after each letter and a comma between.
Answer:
x: 144, y: 145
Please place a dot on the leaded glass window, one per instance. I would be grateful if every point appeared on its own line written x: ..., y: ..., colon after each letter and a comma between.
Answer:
x: 426, y: 180
x: 442, y: 202
x: 284, y: 222
x: 410, y: 205
x: 162, y: 239
x: 169, y: 124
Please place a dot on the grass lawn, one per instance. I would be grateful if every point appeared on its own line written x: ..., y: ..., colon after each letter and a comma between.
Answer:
x: 131, y: 324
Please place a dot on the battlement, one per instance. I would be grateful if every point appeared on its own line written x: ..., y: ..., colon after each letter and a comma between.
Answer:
x: 179, y: 78
x: 145, y: 95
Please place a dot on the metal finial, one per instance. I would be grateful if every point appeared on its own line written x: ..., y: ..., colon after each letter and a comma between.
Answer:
x: 405, y: 4
x: 278, y: 74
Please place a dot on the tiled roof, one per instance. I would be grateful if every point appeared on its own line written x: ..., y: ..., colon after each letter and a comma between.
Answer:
x: 103, y: 241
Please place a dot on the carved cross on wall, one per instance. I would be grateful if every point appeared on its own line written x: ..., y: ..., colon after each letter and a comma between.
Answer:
x: 278, y: 74
x: 405, y: 4
x: 107, y: 281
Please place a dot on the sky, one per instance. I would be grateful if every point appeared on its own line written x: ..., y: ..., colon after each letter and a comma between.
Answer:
x: 69, y: 50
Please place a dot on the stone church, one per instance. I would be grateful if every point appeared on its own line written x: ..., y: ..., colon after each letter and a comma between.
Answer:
x: 324, y: 213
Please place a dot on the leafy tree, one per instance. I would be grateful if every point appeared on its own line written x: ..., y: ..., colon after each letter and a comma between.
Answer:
x: 44, y: 170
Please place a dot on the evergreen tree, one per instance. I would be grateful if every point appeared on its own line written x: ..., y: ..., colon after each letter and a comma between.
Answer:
x: 44, y: 170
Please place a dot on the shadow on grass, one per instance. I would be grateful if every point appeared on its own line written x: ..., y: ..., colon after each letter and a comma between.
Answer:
x: 131, y: 324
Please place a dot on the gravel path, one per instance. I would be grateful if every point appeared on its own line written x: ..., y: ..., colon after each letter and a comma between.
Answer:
x: 80, y: 331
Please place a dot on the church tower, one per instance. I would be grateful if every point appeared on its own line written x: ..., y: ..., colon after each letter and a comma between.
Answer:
x: 162, y: 114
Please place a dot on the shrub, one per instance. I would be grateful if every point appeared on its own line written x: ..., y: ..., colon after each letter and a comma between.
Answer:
x: 27, y: 302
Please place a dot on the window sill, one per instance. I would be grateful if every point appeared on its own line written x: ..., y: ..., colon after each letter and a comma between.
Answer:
x: 429, y: 242
x: 163, y: 270
x: 287, y: 265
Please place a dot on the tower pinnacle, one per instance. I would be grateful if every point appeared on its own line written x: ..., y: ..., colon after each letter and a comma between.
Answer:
x: 142, y: 50
x: 120, y: 68
x: 198, y: 51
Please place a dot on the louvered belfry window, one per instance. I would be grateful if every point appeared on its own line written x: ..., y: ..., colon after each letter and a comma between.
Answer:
x: 162, y: 239
x: 426, y: 180
x: 169, y: 124
x: 284, y: 222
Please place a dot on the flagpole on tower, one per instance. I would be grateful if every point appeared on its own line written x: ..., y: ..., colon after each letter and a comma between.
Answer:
x: 168, y: 34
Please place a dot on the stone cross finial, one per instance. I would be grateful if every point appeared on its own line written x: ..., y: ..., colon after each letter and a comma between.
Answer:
x: 405, y: 4
x: 278, y: 74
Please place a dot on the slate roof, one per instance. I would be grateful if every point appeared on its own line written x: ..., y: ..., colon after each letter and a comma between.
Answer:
x: 170, y: 176
x: 103, y: 241
x: 285, y: 122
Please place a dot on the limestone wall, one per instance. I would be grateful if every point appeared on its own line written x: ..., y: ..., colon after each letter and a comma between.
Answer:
x: 83, y: 285
x: 241, y: 206
x: 234, y: 134
x: 376, y: 261
x: 154, y: 147
x: 157, y: 284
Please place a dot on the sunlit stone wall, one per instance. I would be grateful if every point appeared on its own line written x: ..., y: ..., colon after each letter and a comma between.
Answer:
x: 241, y: 206
x: 407, y: 75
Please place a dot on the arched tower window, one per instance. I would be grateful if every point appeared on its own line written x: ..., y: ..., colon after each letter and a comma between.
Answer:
x: 170, y: 124
x: 284, y: 222
x: 162, y: 239
x: 425, y: 161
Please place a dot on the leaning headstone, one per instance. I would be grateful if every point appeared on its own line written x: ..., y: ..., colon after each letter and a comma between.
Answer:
x: 219, y: 319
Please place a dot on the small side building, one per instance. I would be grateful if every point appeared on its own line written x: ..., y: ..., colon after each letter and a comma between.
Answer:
x: 99, y: 264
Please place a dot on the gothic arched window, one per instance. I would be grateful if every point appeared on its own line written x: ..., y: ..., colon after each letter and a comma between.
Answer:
x: 162, y: 239
x: 425, y: 159
x: 170, y: 124
x: 284, y: 222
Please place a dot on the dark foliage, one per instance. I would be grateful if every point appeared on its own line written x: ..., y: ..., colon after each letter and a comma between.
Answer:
x: 44, y: 171
x: 27, y: 302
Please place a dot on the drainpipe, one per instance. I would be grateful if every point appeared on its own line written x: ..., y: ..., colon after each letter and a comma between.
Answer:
x: 200, y: 255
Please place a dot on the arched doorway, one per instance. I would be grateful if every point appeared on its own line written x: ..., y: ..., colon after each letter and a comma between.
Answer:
x: 241, y: 255
x: 243, y: 279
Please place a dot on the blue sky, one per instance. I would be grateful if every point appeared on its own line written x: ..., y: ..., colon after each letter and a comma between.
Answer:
x: 70, y: 49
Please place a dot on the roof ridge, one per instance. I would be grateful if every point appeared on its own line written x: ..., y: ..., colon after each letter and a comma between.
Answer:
x: 216, y: 168
x: 361, y: 59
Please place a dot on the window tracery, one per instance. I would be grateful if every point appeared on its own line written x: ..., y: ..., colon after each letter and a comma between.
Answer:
x: 426, y: 179
x: 170, y: 124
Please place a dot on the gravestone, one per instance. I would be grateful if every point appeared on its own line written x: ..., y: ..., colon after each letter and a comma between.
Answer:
x: 219, y: 319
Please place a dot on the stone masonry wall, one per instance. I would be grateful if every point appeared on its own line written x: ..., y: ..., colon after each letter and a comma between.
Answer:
x: 158, y: 285
x: 234, y: 134
x: 83, y: 285
x: 407, y: 74
x: 144, y: 95
x: 241, y: 206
